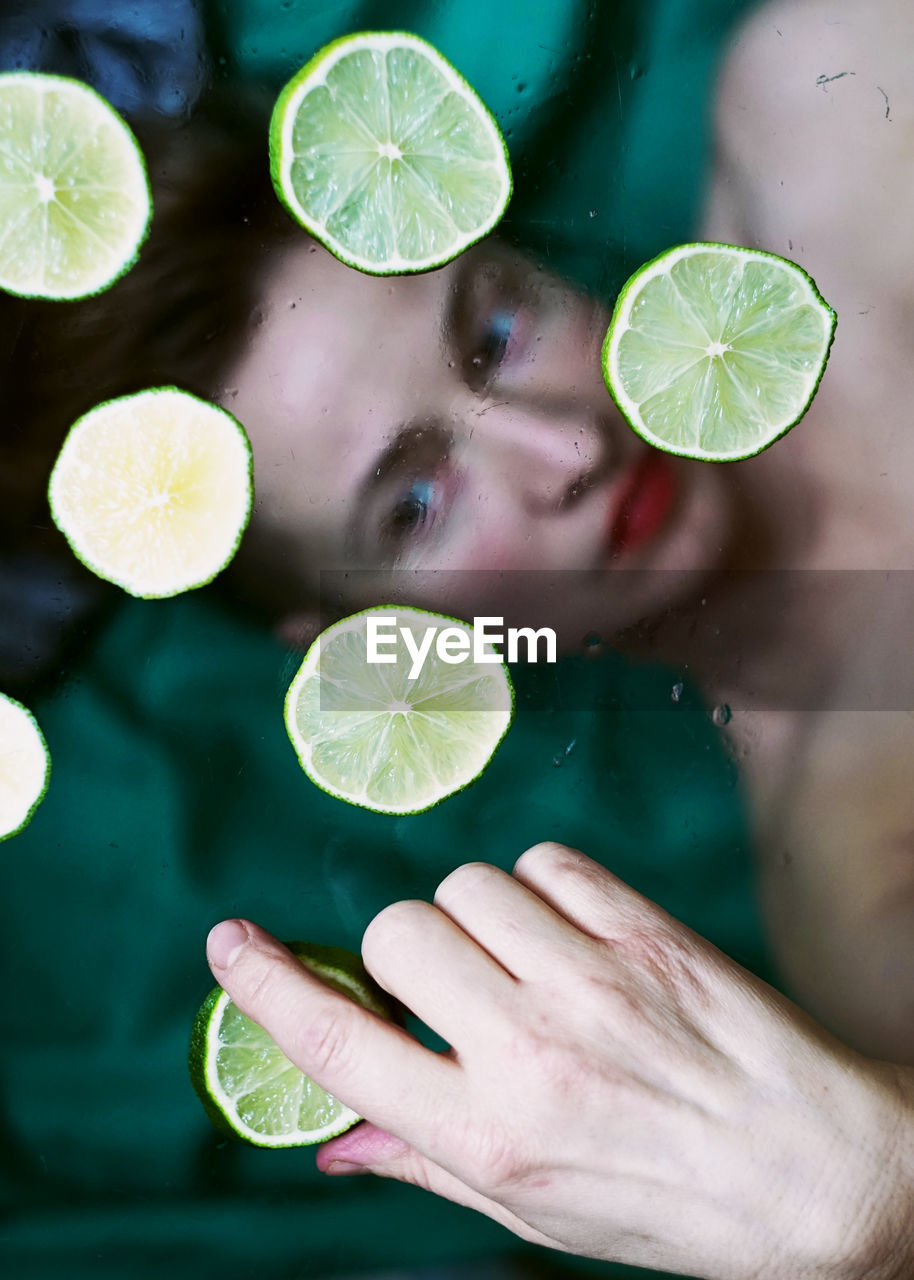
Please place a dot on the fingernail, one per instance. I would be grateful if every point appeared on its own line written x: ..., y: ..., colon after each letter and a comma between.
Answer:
x: 225, y: 942
x: 343, y: 1166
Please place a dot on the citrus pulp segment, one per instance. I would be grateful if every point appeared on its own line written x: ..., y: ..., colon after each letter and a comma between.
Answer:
x: 249, y: 1087
x: 714, y: 351
x: 369, y: 734
x: 25, y: 766
x: 74, y: 192
x: 382, y: 151
x: 154, y: 490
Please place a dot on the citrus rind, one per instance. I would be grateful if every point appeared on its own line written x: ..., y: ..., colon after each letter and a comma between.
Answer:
x: 382, y: 206
x: 73, y: 239
x: 793, y: 385
x: 25, y: 767
x: 154, y: 491
x: 466, y: 737
x: 340, y: 969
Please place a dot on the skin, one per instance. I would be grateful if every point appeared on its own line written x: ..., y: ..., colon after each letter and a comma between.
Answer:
x: 696, y: 1057
x: 662, y: 1107
x: 507, y: 454
x: 831, y: 790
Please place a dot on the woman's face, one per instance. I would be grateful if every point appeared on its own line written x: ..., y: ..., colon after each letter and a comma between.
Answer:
x: 458, y: 421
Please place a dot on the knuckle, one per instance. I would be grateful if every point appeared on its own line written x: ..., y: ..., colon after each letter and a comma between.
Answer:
x: 389, y: 927
x: 469, y: 878
x: 323, y: 1045
x: 644, y: 947
x: 415, y: 1170
x: 498, y: 1162
x: 548, y: 855
x: 321, y: 1041
x: 658, y: 954
x: 261, y: 992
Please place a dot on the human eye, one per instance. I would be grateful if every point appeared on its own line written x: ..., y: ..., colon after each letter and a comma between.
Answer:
x: 411, y: 513
x: 489, y: 320
x: 415, y: 490
x: 494, y: 342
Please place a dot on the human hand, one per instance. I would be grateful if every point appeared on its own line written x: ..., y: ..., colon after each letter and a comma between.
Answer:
x: 616, y: 1087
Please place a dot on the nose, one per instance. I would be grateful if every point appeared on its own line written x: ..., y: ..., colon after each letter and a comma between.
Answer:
x: 546, y: 459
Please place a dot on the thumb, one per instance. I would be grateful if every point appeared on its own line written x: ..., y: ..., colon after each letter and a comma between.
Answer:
x: 368, y: 1149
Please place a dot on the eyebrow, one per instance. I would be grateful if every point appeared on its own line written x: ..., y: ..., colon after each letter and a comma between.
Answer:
x: 386, y: 461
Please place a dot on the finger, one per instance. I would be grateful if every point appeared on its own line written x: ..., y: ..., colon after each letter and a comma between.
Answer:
x: 514, y: 924
x: 367, y: 1149
x: 651, y: 945
x: 370, y: 1064
x: 420, y: 956
x: 588, y: 895
x: 654, y: 947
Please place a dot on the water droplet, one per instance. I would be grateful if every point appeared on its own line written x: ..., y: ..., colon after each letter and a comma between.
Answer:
x: 676, y: 691
x: 722, y: 715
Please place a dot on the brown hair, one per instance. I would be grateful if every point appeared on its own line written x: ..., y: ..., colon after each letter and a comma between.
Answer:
x: 177, y: 317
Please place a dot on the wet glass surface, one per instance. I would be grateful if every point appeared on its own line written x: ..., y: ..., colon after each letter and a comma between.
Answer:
x: 734, y: 639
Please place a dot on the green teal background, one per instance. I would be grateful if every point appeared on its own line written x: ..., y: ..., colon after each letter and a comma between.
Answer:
x: 176, y: 800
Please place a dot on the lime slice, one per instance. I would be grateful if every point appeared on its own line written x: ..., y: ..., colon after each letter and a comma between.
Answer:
x: 367, y: 733
x: 715, y: 351
x: 252, y: 1089
x: 74, y: 194
x: 153, y: 491
x: 384, y: 153
x: 25, y: 766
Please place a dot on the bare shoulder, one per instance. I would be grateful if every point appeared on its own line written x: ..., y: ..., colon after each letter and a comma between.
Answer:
x: 814, y: 120
x: 817, y: 65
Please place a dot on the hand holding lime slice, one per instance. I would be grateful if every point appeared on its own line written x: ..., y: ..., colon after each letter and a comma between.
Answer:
x: 715, y: 351
x: 251, y: 1088
x: 74, y: 194
x: 384, y: 153
x: 369, y: 734
x: 25, y: 766
x: 153, y: 491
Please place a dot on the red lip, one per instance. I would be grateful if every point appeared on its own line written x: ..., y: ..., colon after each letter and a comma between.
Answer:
x: 643, y: 504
